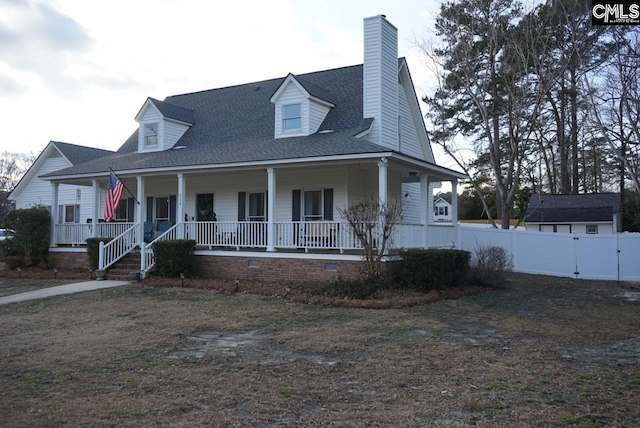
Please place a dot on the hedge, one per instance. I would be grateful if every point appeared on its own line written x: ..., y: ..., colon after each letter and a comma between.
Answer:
x: 427, y: 270
x: 174, y: 257
x: 93, y: 250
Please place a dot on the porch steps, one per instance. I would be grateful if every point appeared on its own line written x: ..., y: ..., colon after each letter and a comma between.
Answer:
x: 125, y: 269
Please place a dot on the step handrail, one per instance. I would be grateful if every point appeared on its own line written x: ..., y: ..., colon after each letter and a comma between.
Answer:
x: 117, y: 248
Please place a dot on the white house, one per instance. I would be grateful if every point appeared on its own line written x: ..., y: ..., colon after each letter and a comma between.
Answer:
x: 442, y: 209
x: 274, y: 160
x: 598, y: 213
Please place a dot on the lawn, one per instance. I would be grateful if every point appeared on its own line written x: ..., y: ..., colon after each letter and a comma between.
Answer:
x: 541, y: 352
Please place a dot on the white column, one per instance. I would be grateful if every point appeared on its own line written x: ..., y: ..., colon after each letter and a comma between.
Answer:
x: 382, y: 180
x: 182, y: 194
x: 95, y: 210
x: 141, y: 211
x: 454, y: 202
x: 271, y: 202
x: 426, y: 204
x: 54, y: 212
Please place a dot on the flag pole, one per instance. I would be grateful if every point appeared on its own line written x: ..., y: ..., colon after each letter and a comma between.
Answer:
x: 125, y: 186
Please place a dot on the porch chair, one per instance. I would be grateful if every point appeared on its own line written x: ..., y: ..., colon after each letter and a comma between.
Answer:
x: 148, y: 231
x: 163, y: 227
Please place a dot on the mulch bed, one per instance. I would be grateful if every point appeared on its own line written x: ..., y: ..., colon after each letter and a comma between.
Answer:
x: 299, y: 293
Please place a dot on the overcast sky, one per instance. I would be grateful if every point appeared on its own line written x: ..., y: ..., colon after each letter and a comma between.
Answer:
x: 78, y: 71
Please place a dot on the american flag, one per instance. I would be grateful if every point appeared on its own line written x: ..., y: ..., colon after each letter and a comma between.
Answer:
x: 114, y: 192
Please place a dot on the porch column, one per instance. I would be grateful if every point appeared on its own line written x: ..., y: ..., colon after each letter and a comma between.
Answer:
x: 54, y: 212
x: 382, y: 180
x: 454, y: 202
x: 182, y: 193
x: 95, y: 209
x: 141, y: 212
x: 271, y: 202
x: 426, y: 204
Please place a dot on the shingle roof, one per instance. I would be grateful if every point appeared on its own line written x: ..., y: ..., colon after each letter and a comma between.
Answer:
x: 79, y: 154
x: 171, y: 111
x: 236, y: 124
x: 573, y: 208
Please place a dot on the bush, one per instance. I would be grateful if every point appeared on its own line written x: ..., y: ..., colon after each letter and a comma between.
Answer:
x: 489, y: 266
x: 31, y: 238
x: 174, y: 257
x: 362, y: 288
x: 93, y: 251
x: 427, y: 270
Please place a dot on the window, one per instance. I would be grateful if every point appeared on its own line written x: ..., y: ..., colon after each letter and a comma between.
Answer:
x: 204, y: 207
x: 291, y: 117
x: 313, y: 205
x: 257, y: 207
x: 125, y: 210
x: 68, y: 214
x: 151, y: 134
x: 592, y: 229
x: 162, y: 209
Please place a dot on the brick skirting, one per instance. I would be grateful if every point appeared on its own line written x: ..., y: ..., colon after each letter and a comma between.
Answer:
x: 68, y: 260
x: 275, y: 269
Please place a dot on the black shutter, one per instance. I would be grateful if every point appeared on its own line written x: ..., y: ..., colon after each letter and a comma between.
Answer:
x: 296, y: 205
x: 130, y: 209
x: 60, y: 214
x: 242, y: 206
x: 172, y: 209
x: 328, y: 204
x: 150, y: 208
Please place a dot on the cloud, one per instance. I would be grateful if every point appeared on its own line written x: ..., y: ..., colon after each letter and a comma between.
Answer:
x: 38, y: 40
x: 10, y: 87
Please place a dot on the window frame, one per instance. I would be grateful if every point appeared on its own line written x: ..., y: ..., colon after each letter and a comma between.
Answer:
x: 158, y: 220
x: 291, y: 118
x: 593, y: 231
x: 257, y: 217
x: 312, y: 217
x: 155, y: 128
x: 200, y: 209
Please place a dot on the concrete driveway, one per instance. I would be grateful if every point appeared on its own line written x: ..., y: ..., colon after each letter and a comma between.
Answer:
x: 61, y: 289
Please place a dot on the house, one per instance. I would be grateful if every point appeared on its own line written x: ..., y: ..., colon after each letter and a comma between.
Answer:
x: 442, y: 209
x: 582, y: 214
x: 255, y: 173
x: 74, y: 201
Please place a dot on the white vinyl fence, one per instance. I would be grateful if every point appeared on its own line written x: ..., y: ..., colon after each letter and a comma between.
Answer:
x: 610, y: 257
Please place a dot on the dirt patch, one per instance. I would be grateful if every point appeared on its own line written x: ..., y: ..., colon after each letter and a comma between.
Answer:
x: 542, y: 352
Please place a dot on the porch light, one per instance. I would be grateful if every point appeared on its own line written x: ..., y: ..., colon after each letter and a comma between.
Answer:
x: 407, y: 197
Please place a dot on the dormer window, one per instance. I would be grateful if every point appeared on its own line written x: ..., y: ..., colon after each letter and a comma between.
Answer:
x: 151, y: 134
x: 291, y: 117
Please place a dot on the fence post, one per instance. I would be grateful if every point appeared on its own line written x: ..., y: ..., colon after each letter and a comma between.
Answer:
x: 514, y: 252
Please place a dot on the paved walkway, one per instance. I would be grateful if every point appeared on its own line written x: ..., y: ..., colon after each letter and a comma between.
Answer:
x: 61, y: 289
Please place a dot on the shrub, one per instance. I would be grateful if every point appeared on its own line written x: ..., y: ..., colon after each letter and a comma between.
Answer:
x: 427, y: 270
x: 489, y: 266
x: 31, y: 237
x: 174, y: 257
x: 361, y: 288
x: 93, y: 251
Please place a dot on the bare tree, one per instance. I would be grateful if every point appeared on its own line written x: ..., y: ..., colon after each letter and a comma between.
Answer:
x: 12, y: 167
x: 373, y: 223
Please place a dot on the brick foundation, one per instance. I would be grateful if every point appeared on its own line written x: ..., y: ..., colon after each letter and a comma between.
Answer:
x: 275, y: 269
x: 75, y: 261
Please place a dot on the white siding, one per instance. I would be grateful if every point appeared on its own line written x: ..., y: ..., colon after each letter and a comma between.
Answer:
x: 380, y: 85
x: 172, y: 133
x: 409, y: 142
x: 38, y: 192
x: 317, y: 113
x: 411, y: 209
x: 151, y: 115
x: 292, y: 95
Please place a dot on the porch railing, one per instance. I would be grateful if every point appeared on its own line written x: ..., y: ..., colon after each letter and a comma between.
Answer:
x: 244, y: 234
x: 147, y: 256
x: 118, y: 247
x: 78, y: 233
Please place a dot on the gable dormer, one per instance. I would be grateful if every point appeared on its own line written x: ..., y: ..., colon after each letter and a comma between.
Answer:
x: 161, y: 125
x: 300, y: 108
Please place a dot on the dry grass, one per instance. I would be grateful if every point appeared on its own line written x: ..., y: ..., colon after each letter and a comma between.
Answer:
x: 542, y: 352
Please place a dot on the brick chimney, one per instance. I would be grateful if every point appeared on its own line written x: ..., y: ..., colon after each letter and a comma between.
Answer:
x: 380, y: 80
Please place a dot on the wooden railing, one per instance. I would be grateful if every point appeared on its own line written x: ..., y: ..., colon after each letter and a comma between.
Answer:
x: 118, y: 247
x: 78, y: 233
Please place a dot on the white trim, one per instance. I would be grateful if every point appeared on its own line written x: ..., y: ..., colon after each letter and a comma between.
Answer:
x: 67, y: 249
x: 37, y: 164
x: 280, y: 255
